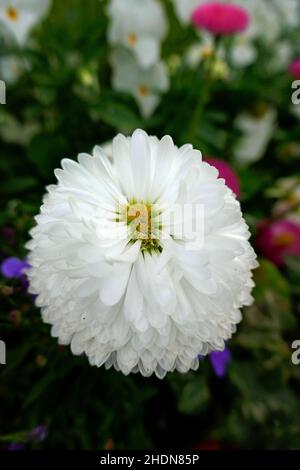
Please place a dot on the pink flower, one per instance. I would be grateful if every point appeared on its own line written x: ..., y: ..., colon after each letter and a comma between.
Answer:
x: 278, y: 239
x: 227, y: 173
x: 220, y: 18
x: 294, y: 68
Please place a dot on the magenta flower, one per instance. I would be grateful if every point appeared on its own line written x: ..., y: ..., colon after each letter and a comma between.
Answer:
x: 220, y: 361
x: 16, y: 446
x: 38, y: 434
x: 294, y: 68
x: 9, y: 234
x: 220, y: 18
x: 14, y: 267
x: 227, y: 173
x: 278, y: 239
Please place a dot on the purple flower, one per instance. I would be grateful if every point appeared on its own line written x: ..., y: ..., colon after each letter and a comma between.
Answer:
x: 220, y: 361
x: 38, y: 434
x: 14, y: 267
x: 16, y: 446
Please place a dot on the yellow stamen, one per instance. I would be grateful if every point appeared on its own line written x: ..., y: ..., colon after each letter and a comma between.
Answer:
x: 207, y: 52
x: 144, y: 223
x: 132, y: 39
x: 285, y: 239
x: 12, y: 13
x: 143, y: 90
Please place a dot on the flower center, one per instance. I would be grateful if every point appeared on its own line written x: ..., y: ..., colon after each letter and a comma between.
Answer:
x: 207, y: 52
x: 143, y: 90
x: 144, y: 223
x: 285, y: 239
x: 132, y: 39
x: 12, y: 13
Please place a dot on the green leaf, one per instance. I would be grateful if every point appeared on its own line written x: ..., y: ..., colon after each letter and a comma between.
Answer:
x: 119, y: 116
x: 273, y: 293
x: 46, y: 152
x: 194, y: 396
x: 252, y: 182
x: 18, y: 185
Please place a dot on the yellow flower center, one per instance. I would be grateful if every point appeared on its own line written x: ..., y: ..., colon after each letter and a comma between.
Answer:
x: 143, y: 90
x: 132, y: 39
x: 144, y: 223
x: 12, y: 13
x: 207, y: 52
x: 285, y: 239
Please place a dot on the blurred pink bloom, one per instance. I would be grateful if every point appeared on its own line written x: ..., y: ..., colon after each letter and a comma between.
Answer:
x: 9, y: 234
x: 279, y: 239
x: 225, y: 172
x: 16, y: 446
x: 220, y: 18
x: 294, y: 68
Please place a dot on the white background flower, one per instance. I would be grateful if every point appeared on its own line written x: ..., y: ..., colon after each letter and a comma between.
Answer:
x: 243, y: 51
x: 11, y: 67
x: 256, y: 134
x: 200, y: 50
x: 270, y: 17
x: 132, y: 303
x: 184, y: 9
x: 19, y: 16
x: 139, y: 26
x: 146, y: 85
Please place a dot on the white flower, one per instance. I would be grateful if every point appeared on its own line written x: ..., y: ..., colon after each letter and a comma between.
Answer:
x: 145, y: 85
x: 185, y: 8
x: 282, y: 56
x: 200, y: 50
x: 146, y: 304
x: 243, y: 51
x: 288, y: 12
x: 13, y: 132
x: 257, y: 132
x: 139, y: 26
x: 19, y: 16
x: 11, y: 68
x: 270, y: 17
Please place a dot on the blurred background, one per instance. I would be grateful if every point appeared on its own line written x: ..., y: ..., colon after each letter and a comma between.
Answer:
x: 75, y: 73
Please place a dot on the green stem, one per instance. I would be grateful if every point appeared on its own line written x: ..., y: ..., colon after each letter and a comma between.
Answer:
x: 204, y: 96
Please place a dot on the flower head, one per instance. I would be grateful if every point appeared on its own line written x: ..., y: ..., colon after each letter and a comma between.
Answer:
x: 19, y: 16
x: 16, y: 446
x: 220, y: 18
x: 256, y: 133
x: 294, y: 68
x: 14, y: 267
x: 220, y: 361
x: 279, y: 239
x: 138, y: 26
x: 145, y: 85
x: 38, y: 434
x: 227, y: 173
x: 118, y: 269
x: 184, y: 9
x: 11, y: 68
